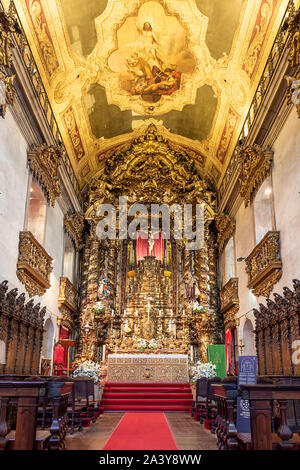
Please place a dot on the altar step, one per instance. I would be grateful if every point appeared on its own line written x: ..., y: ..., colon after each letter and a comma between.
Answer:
x: 146, y: 397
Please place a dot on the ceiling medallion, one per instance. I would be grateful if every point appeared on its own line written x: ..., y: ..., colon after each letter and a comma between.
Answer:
x: 151, y: 57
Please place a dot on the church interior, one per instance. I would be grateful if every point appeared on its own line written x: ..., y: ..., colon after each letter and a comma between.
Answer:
x: 149, y: 233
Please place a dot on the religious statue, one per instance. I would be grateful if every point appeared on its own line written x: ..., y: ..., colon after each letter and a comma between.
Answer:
x: 148, y: 69
x: 192, y: 289
x: 151, y: 244
x: 103, y: 286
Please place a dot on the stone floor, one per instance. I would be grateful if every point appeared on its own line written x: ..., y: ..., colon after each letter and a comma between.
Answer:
x: 188, y: 434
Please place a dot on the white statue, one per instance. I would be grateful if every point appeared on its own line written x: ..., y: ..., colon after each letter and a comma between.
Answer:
x: 151, y: 244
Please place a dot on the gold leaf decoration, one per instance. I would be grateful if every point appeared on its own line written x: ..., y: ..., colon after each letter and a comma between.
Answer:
x: 255, y: 165
x: 34, y: 265
x: 44, y: 162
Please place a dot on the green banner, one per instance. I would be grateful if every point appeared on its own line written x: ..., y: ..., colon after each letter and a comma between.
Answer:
x: 216, y: 355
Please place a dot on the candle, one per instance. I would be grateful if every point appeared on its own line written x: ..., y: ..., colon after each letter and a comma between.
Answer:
x: 103, y: 352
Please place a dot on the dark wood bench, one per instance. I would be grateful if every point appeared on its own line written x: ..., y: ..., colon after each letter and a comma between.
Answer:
x: 266, y: 433
x: 204, y: 409
x: 26, y: 396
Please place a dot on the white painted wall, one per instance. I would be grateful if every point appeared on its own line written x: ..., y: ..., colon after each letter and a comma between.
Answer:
x: 286, y: 197
x: 14, y: 178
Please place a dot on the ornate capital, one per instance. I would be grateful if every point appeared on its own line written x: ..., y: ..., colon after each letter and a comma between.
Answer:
x: 44, y: 162
x: 225, y: 226
x: 229, y: 296
x: 255, y: 165
x: 74, y: 224
x: 34, y: 265
x: 67, y: 302
x: 264, y: 266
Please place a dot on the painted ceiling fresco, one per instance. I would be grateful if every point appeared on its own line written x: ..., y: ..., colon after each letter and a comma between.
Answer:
x: 111, y: 67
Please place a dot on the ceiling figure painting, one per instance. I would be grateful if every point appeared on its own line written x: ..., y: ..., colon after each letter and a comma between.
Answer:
x: 110, y: 68
x: 152, y: 54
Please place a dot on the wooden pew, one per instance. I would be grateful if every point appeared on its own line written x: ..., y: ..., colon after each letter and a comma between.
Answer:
x: 204, y: 408
x: 264, y: 400
x: 27, y: 398
x: 27, y: 395
x: 262, y: 397
x: 225, y: 423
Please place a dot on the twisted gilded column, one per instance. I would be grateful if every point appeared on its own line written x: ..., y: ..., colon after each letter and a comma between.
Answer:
x: 201, y: 272
x: 212, y: 251
x: 111, y: 271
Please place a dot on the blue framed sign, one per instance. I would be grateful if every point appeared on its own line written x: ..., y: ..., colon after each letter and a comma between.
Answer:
x: 247, y: 376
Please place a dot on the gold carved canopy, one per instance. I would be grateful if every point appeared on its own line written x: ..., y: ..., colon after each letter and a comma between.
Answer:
x: 150, y: 169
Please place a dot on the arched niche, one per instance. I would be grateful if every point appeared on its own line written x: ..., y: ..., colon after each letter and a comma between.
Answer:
x: 47, y: 349
x: 249, y: 338
x: 2, y: 353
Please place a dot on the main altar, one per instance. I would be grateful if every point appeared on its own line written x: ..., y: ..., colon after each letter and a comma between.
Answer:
x: 147, y: 368
x: 149, y: 294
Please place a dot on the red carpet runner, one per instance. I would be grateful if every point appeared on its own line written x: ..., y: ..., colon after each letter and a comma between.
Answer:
x: 146, y: 397
x: 142, y: 431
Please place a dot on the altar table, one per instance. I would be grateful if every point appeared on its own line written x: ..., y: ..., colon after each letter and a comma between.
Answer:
x: 147, y: 368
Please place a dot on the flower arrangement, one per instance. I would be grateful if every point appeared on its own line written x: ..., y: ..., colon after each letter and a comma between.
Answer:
x: 141, y: 344
x: 97, y: 310
x: 197, y: 308
x: 88, y: 369
x: 201, y: 369
x: 153, y: 344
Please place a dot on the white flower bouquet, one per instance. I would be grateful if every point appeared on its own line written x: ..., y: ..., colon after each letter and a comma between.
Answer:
x: 88, y: 369
x: 141, y: 344
x: 153, y: 344
x: 203, y: 370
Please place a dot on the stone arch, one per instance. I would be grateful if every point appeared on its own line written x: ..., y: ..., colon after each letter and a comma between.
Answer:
x: 2, y: 352
x: 47, y: 349
x: 249, y: 338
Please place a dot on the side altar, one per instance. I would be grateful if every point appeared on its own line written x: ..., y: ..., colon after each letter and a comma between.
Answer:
x: 147, y: 368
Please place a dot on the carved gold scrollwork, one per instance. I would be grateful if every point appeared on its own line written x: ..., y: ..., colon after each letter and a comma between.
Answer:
x: 225, y: 226
x: 293, y: 86
x: 151, y: 170
x: 264, y: 266
x: 229, y: 296
x: 294, y: 42
x: 44, y: 162
x: 67, y: 302
x: 74, y: 224
x: 34, y: 265
x: 8, y: 26
x: 255, y: 165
